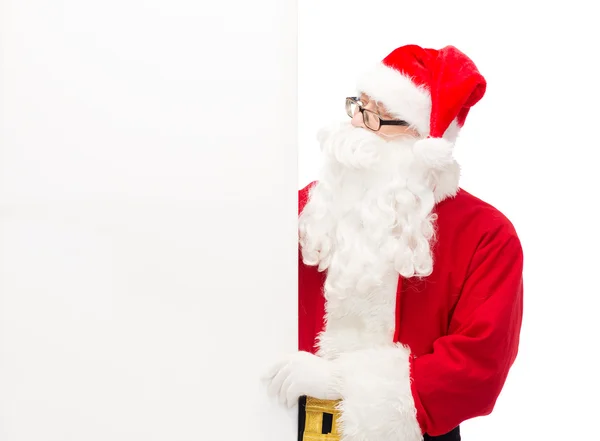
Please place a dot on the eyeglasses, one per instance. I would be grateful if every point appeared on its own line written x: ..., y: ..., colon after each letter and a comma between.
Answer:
x: 371, y: 119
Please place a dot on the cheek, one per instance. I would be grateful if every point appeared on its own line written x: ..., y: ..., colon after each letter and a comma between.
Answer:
x: 394, y: 131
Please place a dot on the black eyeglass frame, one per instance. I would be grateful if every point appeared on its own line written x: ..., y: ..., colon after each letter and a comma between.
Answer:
x: 382, y: 122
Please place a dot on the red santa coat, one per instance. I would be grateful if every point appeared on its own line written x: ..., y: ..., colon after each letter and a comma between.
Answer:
x: 461, y: 325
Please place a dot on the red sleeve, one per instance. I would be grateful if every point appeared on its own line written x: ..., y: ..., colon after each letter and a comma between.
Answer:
x: 467, y: 369
x: 310, y: 281
x: 303, y: 196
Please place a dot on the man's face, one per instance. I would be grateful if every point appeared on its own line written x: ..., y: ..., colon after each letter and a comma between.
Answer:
x: 387, y: 132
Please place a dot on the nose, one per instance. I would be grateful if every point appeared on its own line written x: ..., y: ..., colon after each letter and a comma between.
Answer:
x: 357, y: 120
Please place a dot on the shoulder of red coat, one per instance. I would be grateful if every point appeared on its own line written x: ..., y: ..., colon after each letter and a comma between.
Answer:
x: 465, y: 209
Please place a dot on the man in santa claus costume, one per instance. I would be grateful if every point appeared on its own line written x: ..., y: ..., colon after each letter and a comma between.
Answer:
x: 410, y: 288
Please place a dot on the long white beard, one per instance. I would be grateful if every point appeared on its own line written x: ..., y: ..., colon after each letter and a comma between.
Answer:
x: 368, y: 219
x: 371, y: 208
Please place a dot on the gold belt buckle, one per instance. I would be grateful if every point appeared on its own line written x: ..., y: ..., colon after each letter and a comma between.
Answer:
x: 320, y: 418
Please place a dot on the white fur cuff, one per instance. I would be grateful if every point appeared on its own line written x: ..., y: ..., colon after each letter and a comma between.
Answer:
x: 377, y: 402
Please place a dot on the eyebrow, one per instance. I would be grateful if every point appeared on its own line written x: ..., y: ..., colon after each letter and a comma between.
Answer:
x: 381, y: 108
x: 366, y: 101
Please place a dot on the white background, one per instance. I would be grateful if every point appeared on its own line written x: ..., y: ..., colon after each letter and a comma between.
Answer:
x: 530, y: 148
x: 147, y: 218
x: 146, y: 211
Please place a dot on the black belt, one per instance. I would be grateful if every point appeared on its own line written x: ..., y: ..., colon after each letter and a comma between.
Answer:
x: 317, y: 421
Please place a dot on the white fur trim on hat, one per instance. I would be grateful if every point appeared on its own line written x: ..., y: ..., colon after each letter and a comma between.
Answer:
x: 377, y: 402
x: 402, y: 98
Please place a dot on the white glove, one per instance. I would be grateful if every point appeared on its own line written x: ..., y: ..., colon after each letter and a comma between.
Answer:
x: 302, y: 373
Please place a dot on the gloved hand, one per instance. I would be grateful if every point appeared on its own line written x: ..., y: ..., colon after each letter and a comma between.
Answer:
x: 302, y: 373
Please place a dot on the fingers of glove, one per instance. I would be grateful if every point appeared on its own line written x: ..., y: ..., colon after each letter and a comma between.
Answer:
x: 286, y: 389
x: 274, y: 369
x: 292, y: 394
x: 278, y: 379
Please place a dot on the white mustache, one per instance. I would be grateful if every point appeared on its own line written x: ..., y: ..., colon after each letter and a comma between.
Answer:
x: 357, y: 148
x: 352, y: 147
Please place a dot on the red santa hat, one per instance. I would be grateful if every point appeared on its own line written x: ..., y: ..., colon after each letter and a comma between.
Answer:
x: 431, y: 89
